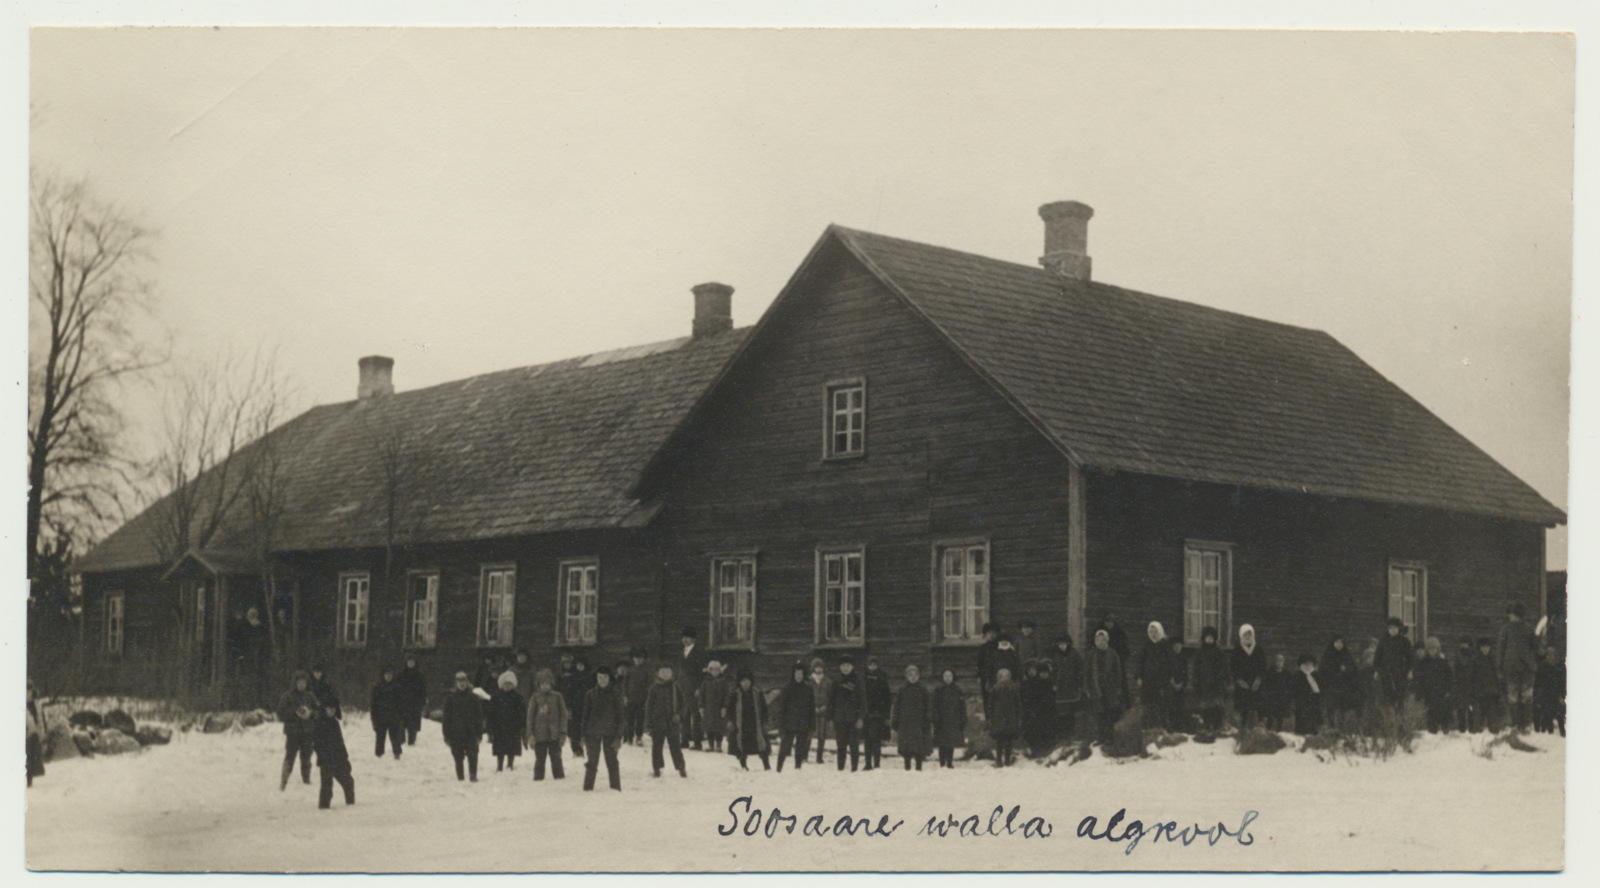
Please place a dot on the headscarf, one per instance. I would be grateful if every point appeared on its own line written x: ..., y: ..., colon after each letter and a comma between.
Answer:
x: 1155, y: 632
x: 1249, y: 646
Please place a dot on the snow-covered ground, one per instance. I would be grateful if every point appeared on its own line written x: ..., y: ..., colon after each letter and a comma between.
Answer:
x: 211, y: 802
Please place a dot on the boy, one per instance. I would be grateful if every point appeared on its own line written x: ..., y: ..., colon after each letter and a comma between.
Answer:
x: 463, y: 725
x: 1038, y: 705
x: 1275, y: 695
x: 634, y: 689
x: 547, y: 725
x: 413, y: 697
x: 297, y: 710
x: 575, y: 687
x: 745, y: 712
x: 821, y: 693
x: 1173, y: 709
x: 913, y: 719
x: 1005, y: 715
x: 1485, y: 688
x: 622, y: 676
x: 713, y: 692
x: 663, y: 714
x: 1027, y: 642
x: 949, y: 718
x: 876, y: 701
x: 845, y: 710
x: 796, y: 714
x: 1434, y: 681
x: 1394, y: 663
x: 1305, y: 695
x: 1461, y: 694
x: 1067, y: 672
x: 333, y: 760
x: 388, y: 712
x: 602, y: 728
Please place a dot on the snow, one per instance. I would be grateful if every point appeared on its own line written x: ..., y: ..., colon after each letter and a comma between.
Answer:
x: 211, y: 802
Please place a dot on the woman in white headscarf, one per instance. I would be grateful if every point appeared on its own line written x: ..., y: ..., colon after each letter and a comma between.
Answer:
x: 1151, y: 670
x: 1248, y: 665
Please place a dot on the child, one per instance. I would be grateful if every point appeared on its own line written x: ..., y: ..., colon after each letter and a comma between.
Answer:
x: 1005, y: 717
x: 35, y: 746
x: 1211, y: 680
x: 1037, y: 702
x: 1103, y: 685
x: 1433, y: 681
x: 1485, y: 688
x: 1305, y: 695
x: 622, y: 675
x: 821, y: 693
x: 1550, y: 694
x: 913, y: 719
x: 634, y: 690
x: 1248, y: 668
x: 796, y: 715
x: 322, y: 690
x: 546, y: 727
x: 949, y: 718
x: 1067, y: 674
x: 1275, y: 695
x: 1027, y: 641
x: 1462, y: 690
x: 1173, y: 711
x: 745, y: 713
x: 844, y: 710
x: 876, y: 702
x: 388, y: 712
x: 333, y: 761
x: 463, y: 725
x: 575, y: 687
x: 663, y: 715
x: 1394, y: 661
x: 297, y: 710
x: 712, y: 693
x: 1340, y: 696
x: 506, y: 714
x: 602, y: 729
x: 413, y: 697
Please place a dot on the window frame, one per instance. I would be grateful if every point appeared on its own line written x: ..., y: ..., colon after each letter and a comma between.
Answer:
x: 828, y: 390
x: 563, y: 570
x: 1225, y: 604
x: 937, y: 581
x: 508, y: 613
x: 365, y: 621
x: 819, y: 628
x: 410, y: 614
x: 112, y: 639
x: 738, y: 558
x: 1418, y: 632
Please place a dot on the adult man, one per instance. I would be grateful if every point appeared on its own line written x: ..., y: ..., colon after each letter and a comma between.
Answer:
x: 1517, y: 662
x: 691, y: 664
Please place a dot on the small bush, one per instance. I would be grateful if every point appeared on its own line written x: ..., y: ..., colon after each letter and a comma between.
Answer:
x: 1258, y: 741
x: 1127, y: 735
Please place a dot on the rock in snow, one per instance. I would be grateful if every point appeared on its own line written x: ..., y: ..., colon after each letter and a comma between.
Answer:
x: 153, y: 735
x: 216, y: 723
x: 253, y: 718
x: 113, y: 742
x: 60, y: 744
x: 86, y: 718
x: 119, y: 720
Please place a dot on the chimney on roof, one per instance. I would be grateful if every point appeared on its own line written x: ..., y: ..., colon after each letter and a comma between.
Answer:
x: 1066, y: 238
x: 713, y: 309
x: 377, y: 377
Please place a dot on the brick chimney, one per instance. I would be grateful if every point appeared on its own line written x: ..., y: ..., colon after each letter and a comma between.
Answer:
x: 1066, y: 238
x: 377, y: 377
x: 713, y: 309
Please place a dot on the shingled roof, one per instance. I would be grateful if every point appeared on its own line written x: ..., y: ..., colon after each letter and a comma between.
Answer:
x: 553, y: 447
x: 1127, y: 381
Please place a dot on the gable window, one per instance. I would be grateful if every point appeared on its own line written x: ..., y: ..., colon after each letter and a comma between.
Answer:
x: 1207, y: 591
x: 422, y: 610
x: 733, y: 601
x: 841, y: 596
x: 496, y: 605
x: 847, y: 418
x: 961, y: 589
x: 580, y: 603
x: 1408, y: 597
x: 354, y: 600
x: 113, y: 622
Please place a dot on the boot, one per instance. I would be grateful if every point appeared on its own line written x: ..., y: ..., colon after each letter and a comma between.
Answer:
x: 288, y: 768
x: 350, y: 793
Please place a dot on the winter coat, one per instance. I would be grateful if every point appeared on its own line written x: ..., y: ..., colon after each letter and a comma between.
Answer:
x: 1005, y: 709
x: 663, y: 707
x: 1117, y: 640
x: 713, y: 693
x: 1434, y: 682
x: 796, y: 708
x: 1028, y: 649
x: 691, y: 670
x: 325, y: 695
x: 1037, y: 697
x: 1549, y: 685
x: 844, y: 701
x: 388, y: 706
x: 413, y: 696
x: 290, y: 708
x: 640, y: 677
x: 1275, y: 693
x: 1152, y: 667
x: 1337, y: 676
x: 876, y: 702
x: 547, y: 717
x: 1307, y: 703
x: 998, y: 660
x: 1067, y: 672
x: 746, y: 714
x: 949, y: 716
x: 1515, y: 656
x: 1103, y: 678
x: 1396, y: 656
x: 328, y: 740
x: 821, y: 694
x: 1247, y: 668
x: 602, y: 713
x: 1485, y: 677
x: 505, y: 716
x: 463, y: 719
x: 575, y: 687
x: 1212, y: 680
x: 913, y: 720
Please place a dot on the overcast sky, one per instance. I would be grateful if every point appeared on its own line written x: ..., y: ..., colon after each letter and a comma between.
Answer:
x: 468, y: 201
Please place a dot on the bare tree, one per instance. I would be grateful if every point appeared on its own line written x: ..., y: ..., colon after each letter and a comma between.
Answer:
x: 87, y: 288
x: 402, y: 472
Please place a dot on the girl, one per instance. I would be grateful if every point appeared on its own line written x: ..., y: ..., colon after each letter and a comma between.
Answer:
x: 913, y: 719
x: 949, y: 718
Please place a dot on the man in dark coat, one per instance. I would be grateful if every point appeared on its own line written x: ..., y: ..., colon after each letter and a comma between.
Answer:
x: 602, y: 729
x: 876, y: 702
x: 1517, y: 659
x: 413, y: 698
x: 1066, y: 672
x: 745, y: 712
x: 333, y: 760
x: 796, y: 714
x: 575, y: 687
x: 463, y: 724
x: 664, y: 710
x: 846, y: 712
x: 388, y: 711
x: 297, y: 711
x: 949, y: 718
x: 691, y: 665
x: 1396, y: 657
x: 1103, y: 685
x: 1211, y: 680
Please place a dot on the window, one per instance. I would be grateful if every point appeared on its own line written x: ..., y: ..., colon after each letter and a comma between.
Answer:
x: 354, y: 599
x: 192, y: 595
x: 847, y: 418
x: 113, y: 622
x: 422, y: 610
x: 579, y: 603
x: 733, y: 601
x: 1408, y: 597
x: 841, y: 594
x: 1207, y: 591
x: 497, y: 606
x: 961, y: 589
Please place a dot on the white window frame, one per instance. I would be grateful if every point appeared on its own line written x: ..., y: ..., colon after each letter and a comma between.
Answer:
x: 115, y: 621
x: 1197, y: 612
x: 741, y: 594
x: 855, y: 417
x: 843, y: 555
x: 961, y: 566
x: 1417, y: 627
x: 497, y: 608
x: 583, y: 628
x: 422, y: 612
x: 355, y: 608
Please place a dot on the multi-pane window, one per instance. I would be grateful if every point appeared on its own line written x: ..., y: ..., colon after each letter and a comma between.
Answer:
x: 1408, y: 597
x: 497, y: 606
x: 962, y: 589
x: 422, y: 610
x: 841, y: 597
x: 580, y: 603
x: 354, y: 600
x: 733, y: 601
x: 847, y: 418
x: 113, y: 623
x: 1207, y: 590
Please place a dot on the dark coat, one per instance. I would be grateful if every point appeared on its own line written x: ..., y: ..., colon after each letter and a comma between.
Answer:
x: 1549, y: 686
x: 1247, y: 668
x: 1337, y: 676
x: 1275, y: 693
x: 1435, y: 682
x: 1037, y: 696
x: 506, y: 715
x: 913, y: 720
x: 1396, y: 656
x: 844, y: 701
x: 463, y: 719
x: 1306, y: 702
x: 328, y: 740
x: 876, y: 702
x: 663, y: 707
x: 640, y: 677
x: 1152, y: 667
x: 1067, y: 672
x: 602, y: 712
x: 796, y: 708
x: 413, y: 696
x: 691, y: 669
x: 949, y: 716
x: 574, y: 686
x: 547, y: 717
x: 297, y: 710
x: 1103, y: 678
x: 388, y: 706
x: 1212, y: 680
x: 1117, y: 641
x: 1515, y: 655
x: 1485, y: 677
x: 1005, y: 709
x: 746, y: 714
x: 713, y: 692
x: 325, y: 695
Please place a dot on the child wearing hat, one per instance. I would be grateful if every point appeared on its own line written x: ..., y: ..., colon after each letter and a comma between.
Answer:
x: 712, y: 693
x: 463, y: 725
x: 949, y: 718
x: 602, y: 729
x: 1005, y: 715
x: 634, y: 688
x: 845, y: 711
x: 546, y: 725
x: 506, y: 714
x: 821, y: 693
x: 333, y: 760
x: 745, y: 711
x: 876, y: 701
x: 913, y: 719
x: 796, y: 715
x: 663, y: 715
x: 388, y: 712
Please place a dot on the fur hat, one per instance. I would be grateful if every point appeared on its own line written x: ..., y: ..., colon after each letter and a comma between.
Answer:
x: 508, y: 680
x: 816, y: 663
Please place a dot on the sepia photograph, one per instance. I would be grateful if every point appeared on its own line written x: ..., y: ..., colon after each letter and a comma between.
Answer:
x: 737, y: 450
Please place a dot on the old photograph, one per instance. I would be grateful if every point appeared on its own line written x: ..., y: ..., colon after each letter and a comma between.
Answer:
x: 664, y: 450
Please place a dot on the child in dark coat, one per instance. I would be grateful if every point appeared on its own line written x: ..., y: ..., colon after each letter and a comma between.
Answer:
x: 1485, y: 688
x: 913, y: 719
x: 413, y: 698
x: 710, y: 695
x: 1211, y: 680
x: 575, y: 688
x: 1067, y: 674
x: 1461, y: 692
x: 333, y: 760
x: 663, y: 717
x: 506, y: 715
x: 1305, y: 697
x: 1275, y: 695
x: 845, y: 711
x: 388, y: 712
x: 1550, y: 694
x: 463, y: 724
x: 796, y: 715
x: 949, y: 718
x: 1337, y: 675
x: 1005, y: 717
x: 1394, y: 662
x: 876, y: 701
x: 297, y: 711
x: 1173, y: 710
x: 1434, y: 682
x: 745, y: 712
x: 603, y: 716
x: 546, y: 726
x: 1103, y: 685
x: 634, y: 689
x: 1037, y: 697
